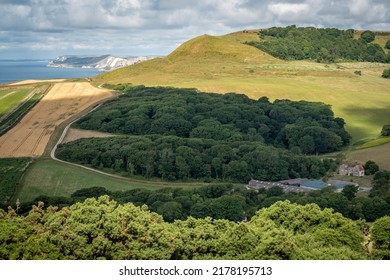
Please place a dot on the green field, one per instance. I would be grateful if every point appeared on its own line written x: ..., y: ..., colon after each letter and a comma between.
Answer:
x: 11, y: 119
x: 223, y: 64
x: 11, y: 98
x: 52, y: 178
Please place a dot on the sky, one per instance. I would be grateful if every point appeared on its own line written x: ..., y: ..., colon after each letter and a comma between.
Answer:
x: 45, y: 29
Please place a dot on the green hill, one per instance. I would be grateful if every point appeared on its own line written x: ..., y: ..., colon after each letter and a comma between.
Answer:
x: 204, y: 57
x: 223, y: 64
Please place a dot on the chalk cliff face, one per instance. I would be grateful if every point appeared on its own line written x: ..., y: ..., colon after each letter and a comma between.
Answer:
x: 104, y: 62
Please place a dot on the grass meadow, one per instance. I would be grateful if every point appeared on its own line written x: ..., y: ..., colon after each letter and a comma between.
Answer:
x: 53, y: 178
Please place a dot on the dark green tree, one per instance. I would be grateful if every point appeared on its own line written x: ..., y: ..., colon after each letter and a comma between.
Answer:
x: 386, y: 73
x: 349, y: 191
x: 387, y: 45
x: 367, y: 36
x: 370, y: 167
x: 385, y: 130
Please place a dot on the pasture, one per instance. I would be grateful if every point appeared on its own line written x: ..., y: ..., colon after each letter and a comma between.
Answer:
x: 53, y: 178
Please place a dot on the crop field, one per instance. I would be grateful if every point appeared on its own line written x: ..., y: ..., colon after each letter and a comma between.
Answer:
x: 73, y: 134
x: 49, y: 177
x: 31, y: 135
x: 9, y: 98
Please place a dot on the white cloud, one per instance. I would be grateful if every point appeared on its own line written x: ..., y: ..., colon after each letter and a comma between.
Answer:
x: 157, y: 26
x: 289, y: 11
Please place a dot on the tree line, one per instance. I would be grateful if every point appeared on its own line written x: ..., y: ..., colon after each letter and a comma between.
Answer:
x: 103, y: 229
x: 320, y: 44
x: 175, y: 158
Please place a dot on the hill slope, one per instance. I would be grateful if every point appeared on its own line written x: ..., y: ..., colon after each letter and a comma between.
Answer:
x: 203, y: 57
x: 223, y: 64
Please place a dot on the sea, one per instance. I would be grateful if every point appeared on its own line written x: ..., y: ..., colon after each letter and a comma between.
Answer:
x: 17, y: 70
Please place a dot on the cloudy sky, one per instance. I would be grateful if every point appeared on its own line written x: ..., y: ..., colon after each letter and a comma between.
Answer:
x: 48, y: 28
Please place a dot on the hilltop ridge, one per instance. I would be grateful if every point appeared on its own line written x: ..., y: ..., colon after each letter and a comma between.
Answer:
x: 202, y: 57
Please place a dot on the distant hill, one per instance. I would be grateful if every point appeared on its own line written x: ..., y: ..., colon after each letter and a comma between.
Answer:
x: 203, y: 57
x: 103, y: 62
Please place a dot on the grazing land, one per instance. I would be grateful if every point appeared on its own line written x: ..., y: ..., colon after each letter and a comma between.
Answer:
x: 53, y: 178
x: 64, y: 100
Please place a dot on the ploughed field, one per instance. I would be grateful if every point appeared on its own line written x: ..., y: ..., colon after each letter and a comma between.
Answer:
x: 31, y: 135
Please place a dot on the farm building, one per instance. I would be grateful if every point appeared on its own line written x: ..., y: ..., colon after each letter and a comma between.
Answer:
x: 351, y: 169
x: 299, y: 185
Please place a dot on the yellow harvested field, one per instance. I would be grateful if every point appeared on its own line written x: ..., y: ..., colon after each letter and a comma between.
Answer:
x: 31, y: 135
x: 26, y: 82
x: 73, y: 134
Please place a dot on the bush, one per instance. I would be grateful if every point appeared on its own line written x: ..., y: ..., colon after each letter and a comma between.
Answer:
x: 368, y: 36
x: 385, y: 130
x: 386, y: 73
x: 387, y: 46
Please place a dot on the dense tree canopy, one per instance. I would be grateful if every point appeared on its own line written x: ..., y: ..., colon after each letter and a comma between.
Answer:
x: 185, y: 134
x: 102, y: 229
x: 320, y: 44
x: 231, y: 117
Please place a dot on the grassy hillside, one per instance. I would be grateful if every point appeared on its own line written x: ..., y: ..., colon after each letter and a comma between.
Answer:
x: 224, y: 64
x: 202, y: 58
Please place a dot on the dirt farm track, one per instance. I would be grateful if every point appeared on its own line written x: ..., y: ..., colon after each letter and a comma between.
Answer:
x: 31, y: 135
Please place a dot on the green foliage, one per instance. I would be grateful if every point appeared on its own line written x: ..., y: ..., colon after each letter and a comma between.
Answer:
x: 102, y: 229
x: 192, y: 135
x: 367, y: 36
x: 386, y: 73
x: 387, y: 45
x: 232, y: 117
x: 319, y: 44
x: 381, y: 237
x: 370, y: 167
x: 11, y: 169
x: 385, y: 130
x: 349, y: 191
